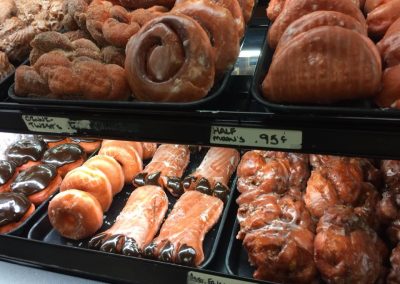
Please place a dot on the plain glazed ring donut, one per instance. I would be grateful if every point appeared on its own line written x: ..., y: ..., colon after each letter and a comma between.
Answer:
x: 212, y: 17
x: 90, y: 180
x: 170, y: 60
x: 111, y: 168
x: 75, y: 214
x: 137, y: 146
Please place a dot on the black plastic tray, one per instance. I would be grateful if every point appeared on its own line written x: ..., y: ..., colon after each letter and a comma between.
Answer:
x: 43, y: 230
x: 352, y: 108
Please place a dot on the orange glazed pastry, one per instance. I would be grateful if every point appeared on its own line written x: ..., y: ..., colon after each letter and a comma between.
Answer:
x: 136, y: 225
x: 149, y: 149
x: 37, y: 183
x: 247, y: 9
x: 15, y: 208
x: 389, y: 46
x: 75, y: 214
x: 162, y: 61
x: 275, y: 7
x: 91, y: 180
x: 111, y: 168
x: 65, y: 157
x: 26, y: 153
x: 319, y: 55
x: 7, y: 175
x: 212, y: 17
x: 89, y: 145
x: 390, y: 93
x: 370, y: 5
x: 295, y: 9
x: 137, y: 146
x: 234, y: 7
x: 127, y: 156
x: 380, y: 19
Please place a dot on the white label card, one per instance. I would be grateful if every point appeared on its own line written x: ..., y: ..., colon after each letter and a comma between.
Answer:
x: 194, y: 277
x: 258, y: 137
x: 40, y: 123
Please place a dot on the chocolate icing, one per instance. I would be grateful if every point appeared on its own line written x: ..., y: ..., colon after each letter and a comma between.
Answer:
x: 7, y: 171
x: 85, y: 140
x: 26, y: 150
x: 48, y: 139
x: 63, y: 154
x: 34, y: 179
x: 13, y: 207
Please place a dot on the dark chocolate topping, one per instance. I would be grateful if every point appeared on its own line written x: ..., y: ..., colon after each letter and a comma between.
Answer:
x: 34, y: 179
x: 7, y: 170
x: 50, y: 139
x: 26, y: 150
x: 13, y: 207
x: 85, y: 140
x: 63, y: 154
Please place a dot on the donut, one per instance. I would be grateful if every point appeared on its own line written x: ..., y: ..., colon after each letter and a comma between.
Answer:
x: 65, y: 157
x: 87, y: 144
x: 7, y: 175
x: 128, y: 158
x: 132, y: 144
x: 111, y: 168
x: 148, y: 150
x: 26, y: 153
x: 75, y: 214
x: 53, y: 141
x: 37, y: 183
x: 90, y: 180
x: 15, y: 208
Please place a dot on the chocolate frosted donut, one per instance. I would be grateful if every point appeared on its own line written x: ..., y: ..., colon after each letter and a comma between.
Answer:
x: 34, y: 179
x: 89, y: 145
x: 13, y: 207
x: 64, y: 157
x: 53, y: 141
x: 26, y: 150
x: 7, y: 172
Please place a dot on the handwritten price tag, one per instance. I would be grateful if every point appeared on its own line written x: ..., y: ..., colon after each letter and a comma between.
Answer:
x: 39, y: 123
x: 194, y: 277
x: 271, y: 138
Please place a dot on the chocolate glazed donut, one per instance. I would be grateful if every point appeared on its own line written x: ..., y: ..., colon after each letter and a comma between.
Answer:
x: 212, y: 17
x: 170, y: 59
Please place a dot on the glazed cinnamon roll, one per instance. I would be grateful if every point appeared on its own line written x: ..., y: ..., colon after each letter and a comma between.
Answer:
x: 170, y: 59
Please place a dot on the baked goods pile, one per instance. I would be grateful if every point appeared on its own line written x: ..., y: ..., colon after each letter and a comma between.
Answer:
x: 20, y: 22
x: 305, y: 216
x: 175, y: 51
x: 330, y: 55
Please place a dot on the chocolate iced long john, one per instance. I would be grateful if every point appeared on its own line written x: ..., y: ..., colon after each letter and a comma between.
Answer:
x: 137, y: 223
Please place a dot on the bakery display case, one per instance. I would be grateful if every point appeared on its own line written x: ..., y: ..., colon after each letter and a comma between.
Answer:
x: 275, y: 161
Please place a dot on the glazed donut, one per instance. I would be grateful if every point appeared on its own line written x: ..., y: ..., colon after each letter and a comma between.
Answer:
x: 234, y: 7
x: 211, y: 18
x: 26, y: 153
x: 7, y: 175
x: 87, y: 144
x: 53, y: 141
x: 38, y: 183
x: 128, y: 158
x: 90, y: 180
x: 111, y: 168
x: 171, y: 60
x: 381, y: 18
x: 65, y: 157
x: 247, y: 9
x: 148, y: 150
x: 15, y: 208
x: 75, y: 214
x: 137, y: 146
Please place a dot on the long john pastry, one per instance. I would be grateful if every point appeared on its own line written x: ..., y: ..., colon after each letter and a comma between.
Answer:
x: 166, y: 168
x: 137, y: 223
x: 182, y: 234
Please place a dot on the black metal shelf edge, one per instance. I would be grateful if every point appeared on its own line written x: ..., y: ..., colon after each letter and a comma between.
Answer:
x: 98, y: 265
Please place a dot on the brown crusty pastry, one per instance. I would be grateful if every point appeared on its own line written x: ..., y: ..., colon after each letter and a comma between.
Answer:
x: 332, y: 64
x: 75, y: 15
x: 380, y: 19
x: 6, y: 68
x: 247, y: 8
x: 370, y: 5
x: 389, y: 96
x: 295, y: 9
x: 7, y: 10
x: 389, y: 45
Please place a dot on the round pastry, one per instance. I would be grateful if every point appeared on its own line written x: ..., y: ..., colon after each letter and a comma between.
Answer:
x: 170, y: 60
x: 137, y: 146
x: 88, y: 145
x: 128, y: 158
x: 211, y: 18
x: 75, y: 214
x: 65, y: 157
x: 37, y: 183
x: 380, y: 19
x: 148, y: 150
x: 370, y: 5
x: 15, y: 208
x: 390, y: 93
x: 90, y: 180
x: 53, y: 141
x: 26, y: 153
x: 111, y: 168
x: 275, y: 7
x: 7, y: 175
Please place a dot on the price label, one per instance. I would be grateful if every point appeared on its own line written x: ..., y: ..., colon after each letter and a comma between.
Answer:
x: 40, y: 123
x: 258, y: 137
x: 194, y: 277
